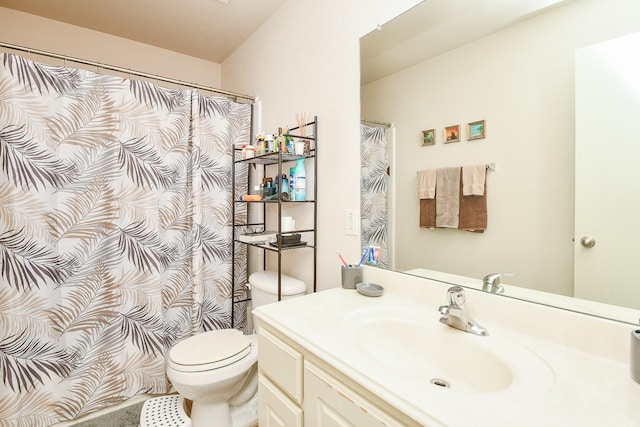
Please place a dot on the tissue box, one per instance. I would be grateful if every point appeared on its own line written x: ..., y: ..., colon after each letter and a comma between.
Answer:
x: 288, y: 239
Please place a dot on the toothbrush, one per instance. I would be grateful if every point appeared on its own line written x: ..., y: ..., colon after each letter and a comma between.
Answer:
x: 365, y: 252
x: 342, y: 259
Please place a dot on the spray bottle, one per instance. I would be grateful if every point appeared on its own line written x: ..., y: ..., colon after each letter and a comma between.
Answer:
x: 292, y: 183
x: 301, y: 180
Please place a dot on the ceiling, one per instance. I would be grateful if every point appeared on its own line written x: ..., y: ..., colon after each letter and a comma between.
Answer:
x: 434, y: 27
x: 206, y: 29
x: 212, y: 30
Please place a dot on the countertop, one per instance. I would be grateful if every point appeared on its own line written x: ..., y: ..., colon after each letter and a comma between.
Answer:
x: 585, y: 389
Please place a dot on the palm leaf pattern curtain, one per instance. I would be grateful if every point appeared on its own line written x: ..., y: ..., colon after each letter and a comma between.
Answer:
x: 374, y: 183
x: 115, y: 234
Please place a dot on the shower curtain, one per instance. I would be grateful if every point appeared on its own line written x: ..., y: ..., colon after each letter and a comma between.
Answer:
x: 374, y: 184
x: 115, y: 234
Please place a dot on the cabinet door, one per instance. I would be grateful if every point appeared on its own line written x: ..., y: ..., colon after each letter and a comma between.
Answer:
x: 329, y: 403
x: 276, y: 409
x: 281, y: 363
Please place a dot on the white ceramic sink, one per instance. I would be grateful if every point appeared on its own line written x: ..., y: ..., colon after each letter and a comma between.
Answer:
x: 416, y: 346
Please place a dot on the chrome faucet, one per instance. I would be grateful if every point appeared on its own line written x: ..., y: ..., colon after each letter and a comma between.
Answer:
x: 455, y: 316
x: 491, y: 282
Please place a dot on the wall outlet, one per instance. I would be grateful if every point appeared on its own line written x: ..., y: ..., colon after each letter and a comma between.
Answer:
x: 352, y: 222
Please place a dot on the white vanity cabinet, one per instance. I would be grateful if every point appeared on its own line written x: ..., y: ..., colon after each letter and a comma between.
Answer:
x: 329, y: 402
x: 324, y: 362
x: 296, y: 388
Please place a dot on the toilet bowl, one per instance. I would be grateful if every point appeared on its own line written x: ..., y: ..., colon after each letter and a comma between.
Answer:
x: 209, y: 369
x: 217, y: 370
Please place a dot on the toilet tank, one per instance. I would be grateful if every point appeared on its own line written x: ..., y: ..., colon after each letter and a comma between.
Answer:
x: 264, y: 287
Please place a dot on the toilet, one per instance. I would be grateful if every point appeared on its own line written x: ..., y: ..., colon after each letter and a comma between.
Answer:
x: 264, y: 289
x: 217, y: 370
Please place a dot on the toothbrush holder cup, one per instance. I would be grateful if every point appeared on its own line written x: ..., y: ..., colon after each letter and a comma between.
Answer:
x: 351, y: 276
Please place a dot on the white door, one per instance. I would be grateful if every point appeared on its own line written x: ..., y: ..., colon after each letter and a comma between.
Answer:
x: 608, y: 172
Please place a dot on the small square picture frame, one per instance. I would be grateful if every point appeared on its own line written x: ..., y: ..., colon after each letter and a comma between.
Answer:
x: 451, y: 134
x: 476, y: 130
x: 428, y: 137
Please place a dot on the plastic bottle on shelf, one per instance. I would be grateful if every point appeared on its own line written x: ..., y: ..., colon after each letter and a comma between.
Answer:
x: 248, y: 151
x: 301, y: 180
x: 261, y: 146
x: 284, y: 184
x: 288, y: 144
x: 270, y: 142
x: 292, y: 183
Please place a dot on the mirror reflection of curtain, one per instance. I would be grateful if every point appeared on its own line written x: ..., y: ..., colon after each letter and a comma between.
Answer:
x: 374, y: 186
x: 115, y: 236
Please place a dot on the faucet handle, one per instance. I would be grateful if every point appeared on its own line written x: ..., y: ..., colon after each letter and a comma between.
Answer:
x: 494, y: 278
x: 444, y: 310
x: 457, y: 296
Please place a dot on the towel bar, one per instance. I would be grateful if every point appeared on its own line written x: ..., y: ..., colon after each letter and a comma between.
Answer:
x: 490, y: 166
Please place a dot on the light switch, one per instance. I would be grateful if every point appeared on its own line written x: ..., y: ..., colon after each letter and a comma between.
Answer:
x: 351, y: 222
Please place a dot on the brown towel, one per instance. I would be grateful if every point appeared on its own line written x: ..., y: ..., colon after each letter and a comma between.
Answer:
x: 427, y: 196
x: 473, y: 211
x: 428, y: 213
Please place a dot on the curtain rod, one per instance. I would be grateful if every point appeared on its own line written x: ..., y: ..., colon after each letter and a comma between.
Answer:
x: 227, y: 94
x: 375, y: 122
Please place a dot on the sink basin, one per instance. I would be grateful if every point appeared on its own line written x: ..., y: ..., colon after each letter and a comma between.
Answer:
x: 417, y: 348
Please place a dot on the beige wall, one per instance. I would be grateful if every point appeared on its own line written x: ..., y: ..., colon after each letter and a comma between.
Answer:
x: 520, y: 80
x: 306, y: 58
x: 32, y: 31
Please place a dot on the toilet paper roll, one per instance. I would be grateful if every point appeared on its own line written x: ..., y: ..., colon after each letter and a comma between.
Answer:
x: 635, y: 355
x: 287, y: 224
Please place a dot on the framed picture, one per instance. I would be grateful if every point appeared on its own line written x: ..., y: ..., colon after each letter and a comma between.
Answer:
x: 428, y: 137
x: 476, y: 130
x: 451, y: 134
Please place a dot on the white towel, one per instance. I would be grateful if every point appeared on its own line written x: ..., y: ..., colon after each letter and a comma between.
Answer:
x: 427, y: 184
x: 448, y: 197
x: 473, y: 179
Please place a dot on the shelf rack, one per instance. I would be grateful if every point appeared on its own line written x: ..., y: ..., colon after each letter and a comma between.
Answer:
x: 267, y: 160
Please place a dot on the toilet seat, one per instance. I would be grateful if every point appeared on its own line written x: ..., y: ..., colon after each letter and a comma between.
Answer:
x: 210, y: 350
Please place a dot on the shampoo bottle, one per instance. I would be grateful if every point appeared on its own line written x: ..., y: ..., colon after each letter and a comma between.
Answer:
x: 301, y: 180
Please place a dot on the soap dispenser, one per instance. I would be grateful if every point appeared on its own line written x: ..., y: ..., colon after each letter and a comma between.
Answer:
x: 635, y: 355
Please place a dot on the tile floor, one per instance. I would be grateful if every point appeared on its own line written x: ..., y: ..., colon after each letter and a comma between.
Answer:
x: 128, y: 416
x: 125, y: 414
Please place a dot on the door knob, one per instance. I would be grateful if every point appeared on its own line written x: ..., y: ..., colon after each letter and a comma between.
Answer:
x: 588, y: 242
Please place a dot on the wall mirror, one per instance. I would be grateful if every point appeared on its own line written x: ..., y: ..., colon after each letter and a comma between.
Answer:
x: 527, y: 68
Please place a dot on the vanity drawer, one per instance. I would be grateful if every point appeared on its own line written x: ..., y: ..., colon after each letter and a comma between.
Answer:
x: 281, y: 363
x: 276, y: 409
